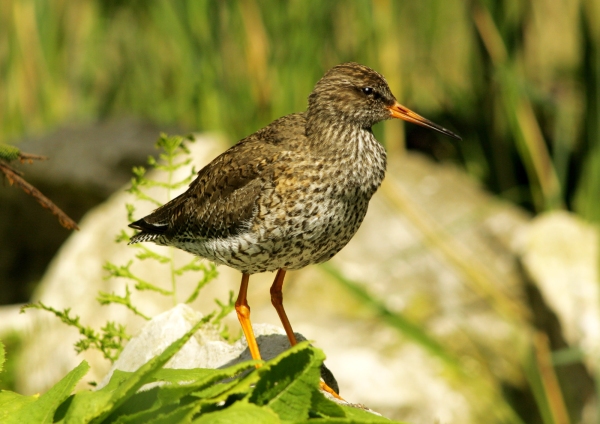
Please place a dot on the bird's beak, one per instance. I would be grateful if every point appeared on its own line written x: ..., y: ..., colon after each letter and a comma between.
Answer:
x: 401, y: 112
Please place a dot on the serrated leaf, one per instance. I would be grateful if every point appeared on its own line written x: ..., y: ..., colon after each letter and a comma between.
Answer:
x: 287, y: 384
x: 196, y: 375
x: 361, y: 416
x: 367, y: 418
x: 323, y: 407
x: 169, y: 396
x: 219, y: 392
x: 11, y: 403
x: 148, y: 415
x: 240, y: 412
x: 116, y: 379
x: 43, y: 409
x: 138, y: 404
x: 180, y: 415
x: 94, y: 407
x: 207, y: 382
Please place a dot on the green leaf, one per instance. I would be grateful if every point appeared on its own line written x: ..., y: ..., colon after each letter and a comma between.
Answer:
x: 150, y: 415
x: 357, y: 415
x: 197, y: 375
x: 137, y: 406
x: 11, y: 403
x: 323, y: 407
x: 95, y: 406
x: 206, y: 387
x: 43, y: 409
x: 220, y: 392
x: 354, y: 416
x: 287, y: 384
x: 182, y: 414
x: 240, y: 412
x: 117, y: 378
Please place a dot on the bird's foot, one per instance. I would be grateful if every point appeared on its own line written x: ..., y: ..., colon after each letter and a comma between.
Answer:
x: 323, y: 386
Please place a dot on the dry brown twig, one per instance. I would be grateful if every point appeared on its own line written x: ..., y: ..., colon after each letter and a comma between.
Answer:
x: 14, y: 177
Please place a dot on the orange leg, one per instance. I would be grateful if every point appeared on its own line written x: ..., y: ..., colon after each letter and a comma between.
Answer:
x: 243, y: 312
x: 277, y: 301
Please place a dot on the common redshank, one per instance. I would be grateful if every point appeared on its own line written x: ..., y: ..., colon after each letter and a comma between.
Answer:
x: 290, y: 195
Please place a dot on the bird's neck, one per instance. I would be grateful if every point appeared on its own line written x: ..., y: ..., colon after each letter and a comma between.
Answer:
x: 331, y: 133
x: 351, y: 147
x: 338, y: 137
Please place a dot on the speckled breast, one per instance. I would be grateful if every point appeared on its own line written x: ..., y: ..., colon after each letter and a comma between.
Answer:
x: 304, y: 236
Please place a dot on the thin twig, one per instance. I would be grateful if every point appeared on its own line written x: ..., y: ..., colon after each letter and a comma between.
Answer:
x: 14, y: 178
x: 29, y: 158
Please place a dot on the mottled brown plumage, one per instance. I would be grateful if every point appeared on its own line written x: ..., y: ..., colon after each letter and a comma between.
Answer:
x: 292, y: 194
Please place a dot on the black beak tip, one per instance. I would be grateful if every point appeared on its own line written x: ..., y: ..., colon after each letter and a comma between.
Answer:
x: 455, y: 136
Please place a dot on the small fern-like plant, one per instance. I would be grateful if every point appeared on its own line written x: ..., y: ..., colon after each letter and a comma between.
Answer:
x: 110, y: 339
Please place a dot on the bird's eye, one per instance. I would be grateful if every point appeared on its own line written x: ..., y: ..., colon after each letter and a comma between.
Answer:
x: 368, y: 91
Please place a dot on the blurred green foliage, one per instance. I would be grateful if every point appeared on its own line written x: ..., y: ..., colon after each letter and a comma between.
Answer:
x: 520, y: 81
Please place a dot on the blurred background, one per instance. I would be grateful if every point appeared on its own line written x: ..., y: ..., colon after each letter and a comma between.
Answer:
x: 94, y: 82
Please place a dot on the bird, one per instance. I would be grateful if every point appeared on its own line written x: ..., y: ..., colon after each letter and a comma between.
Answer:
x: 290, y: 195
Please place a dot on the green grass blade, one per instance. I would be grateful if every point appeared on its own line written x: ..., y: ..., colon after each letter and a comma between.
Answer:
x: 43, y: 409
x: 397, y: 320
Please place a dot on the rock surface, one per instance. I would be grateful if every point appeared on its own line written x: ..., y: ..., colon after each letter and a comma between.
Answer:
x: 560, y: 252
x: 206, y: 349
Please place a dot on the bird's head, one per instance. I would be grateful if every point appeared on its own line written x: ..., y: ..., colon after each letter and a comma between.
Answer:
x: 356, y: 94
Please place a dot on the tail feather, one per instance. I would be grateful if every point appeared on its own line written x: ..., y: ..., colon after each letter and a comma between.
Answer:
x: 149, y: 232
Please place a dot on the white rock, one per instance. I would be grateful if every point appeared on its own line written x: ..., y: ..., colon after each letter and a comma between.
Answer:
x: 560, y: 253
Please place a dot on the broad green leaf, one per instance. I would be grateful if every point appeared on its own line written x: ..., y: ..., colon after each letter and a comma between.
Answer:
x: 168, y: 396
x: 139, y: 402
x: 220, y: 391
x: 116, y: 379
x: 43, y: 409
x: 180, y: 415
x: 94, y: 407
x: 145, y: 407
x: 362, y: 416
x: 147, y: 415
x: 240, y: 412
x: 274, y: 382
x: 173, y: 375
x: 286, y: 384
x: 206, y: 387
x: 11, y: 403
x: 323, y: 407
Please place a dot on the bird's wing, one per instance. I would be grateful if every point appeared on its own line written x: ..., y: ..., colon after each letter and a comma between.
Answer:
x: 222, y: 200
